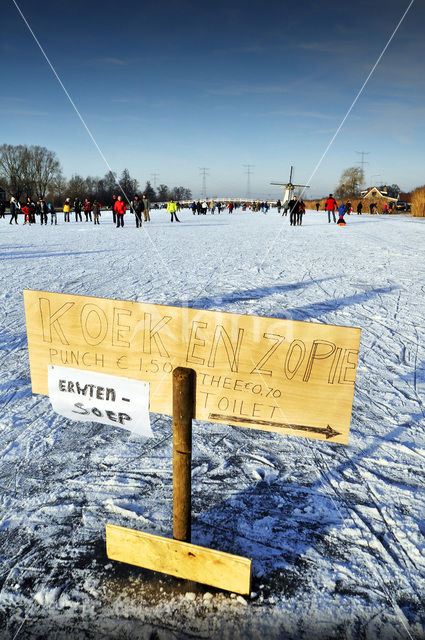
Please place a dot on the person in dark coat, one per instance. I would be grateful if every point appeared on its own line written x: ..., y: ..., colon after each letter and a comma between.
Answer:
x: 13, y: 210
x: 301, y: 212
x: 359, y: 209
x: 138, y: 208
x: 2, y: 208
x: 294, y: 210
x: 114, y: 213
x: 96, y: 211
x: 53, y: 214
x: 42, y: 210
x: 77, y: 209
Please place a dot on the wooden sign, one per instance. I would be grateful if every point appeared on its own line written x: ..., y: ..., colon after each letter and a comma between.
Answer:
x: 265, y: 373
x: 179, y: 559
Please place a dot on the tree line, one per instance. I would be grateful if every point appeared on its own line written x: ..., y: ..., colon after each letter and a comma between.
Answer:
x: 36, y: 172
x: 350, y: 184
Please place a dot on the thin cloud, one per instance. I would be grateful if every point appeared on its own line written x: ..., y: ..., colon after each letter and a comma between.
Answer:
x: 116, y: 62
x: 323, y: 47
x: 247, y: 89
x: 301, y: 114
x: 8, y: 99
x: 23, y: 112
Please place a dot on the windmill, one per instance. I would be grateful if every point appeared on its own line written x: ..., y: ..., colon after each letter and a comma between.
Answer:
x: 289, y: 187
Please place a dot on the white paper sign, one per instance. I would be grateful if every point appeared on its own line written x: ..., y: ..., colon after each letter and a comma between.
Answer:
x: 88, y: 396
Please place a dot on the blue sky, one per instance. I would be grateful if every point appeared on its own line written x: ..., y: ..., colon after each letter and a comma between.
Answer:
x: 168, y: 87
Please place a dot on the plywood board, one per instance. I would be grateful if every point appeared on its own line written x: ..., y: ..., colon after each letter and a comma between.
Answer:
x: 179, y: 559
x: 263, y: 373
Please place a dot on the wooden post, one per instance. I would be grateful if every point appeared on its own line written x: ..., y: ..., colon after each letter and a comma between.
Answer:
x: 183, y: 410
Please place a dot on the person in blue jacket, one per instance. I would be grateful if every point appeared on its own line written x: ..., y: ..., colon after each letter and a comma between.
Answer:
x: 341, y: 212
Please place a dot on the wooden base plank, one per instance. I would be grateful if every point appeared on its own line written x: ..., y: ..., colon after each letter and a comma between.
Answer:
x: 179, y: 559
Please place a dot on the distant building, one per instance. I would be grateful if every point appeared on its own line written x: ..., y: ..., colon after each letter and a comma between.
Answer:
x: 373, y: 193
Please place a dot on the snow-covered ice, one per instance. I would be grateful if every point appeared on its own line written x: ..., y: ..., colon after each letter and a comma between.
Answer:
x: 336, y: 533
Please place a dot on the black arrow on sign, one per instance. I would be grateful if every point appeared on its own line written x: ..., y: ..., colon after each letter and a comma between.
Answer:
x: 328, y: 431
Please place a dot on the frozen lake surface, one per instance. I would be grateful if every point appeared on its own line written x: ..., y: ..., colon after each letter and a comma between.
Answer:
x: 336, y: 533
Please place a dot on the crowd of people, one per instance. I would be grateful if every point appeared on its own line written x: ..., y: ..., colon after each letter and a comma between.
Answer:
x: 46, y: 213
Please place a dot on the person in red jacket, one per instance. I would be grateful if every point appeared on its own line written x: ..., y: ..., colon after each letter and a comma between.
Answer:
x: 27, y: 213
x: 87, y: 209
x: 120, y: 209
x: 330, y: 207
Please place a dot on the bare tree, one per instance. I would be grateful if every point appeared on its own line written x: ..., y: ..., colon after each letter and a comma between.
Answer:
x: 76, y: 187
x: 28, y: 170
x: 181, y: 193
x: 13, y: 171
x: 43, y: 168
x: 349, y: 183
x: 58, y: 187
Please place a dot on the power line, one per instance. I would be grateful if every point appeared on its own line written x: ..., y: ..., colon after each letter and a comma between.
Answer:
x: 248, y: 179
x: 154, y: 176
x: 363, y: 162
x: 83, y: 122
x: 351, y: 107
x: 204, y: 174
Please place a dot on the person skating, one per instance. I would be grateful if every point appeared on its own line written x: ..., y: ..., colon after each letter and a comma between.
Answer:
x: 172, y: 208
x: 341, y: 211
x: 31, y: 207
x: 359, y: 209
x: 317, y: 206
x: 96, y: 211
x: 26, y: 211
x: 300, y: 213
x: 53, y: 214
x: 66, y: 209
x: 330, y: 207
x: 146, y: 207
x: 120, y: 209
x: 87, y: 209
x: 77, y: 210
x: 138, y: 208
x: 114, y: 215
x: 2, y: 208
x: 14, y: 208
x: 42, y: 210
x: 294, y: 208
